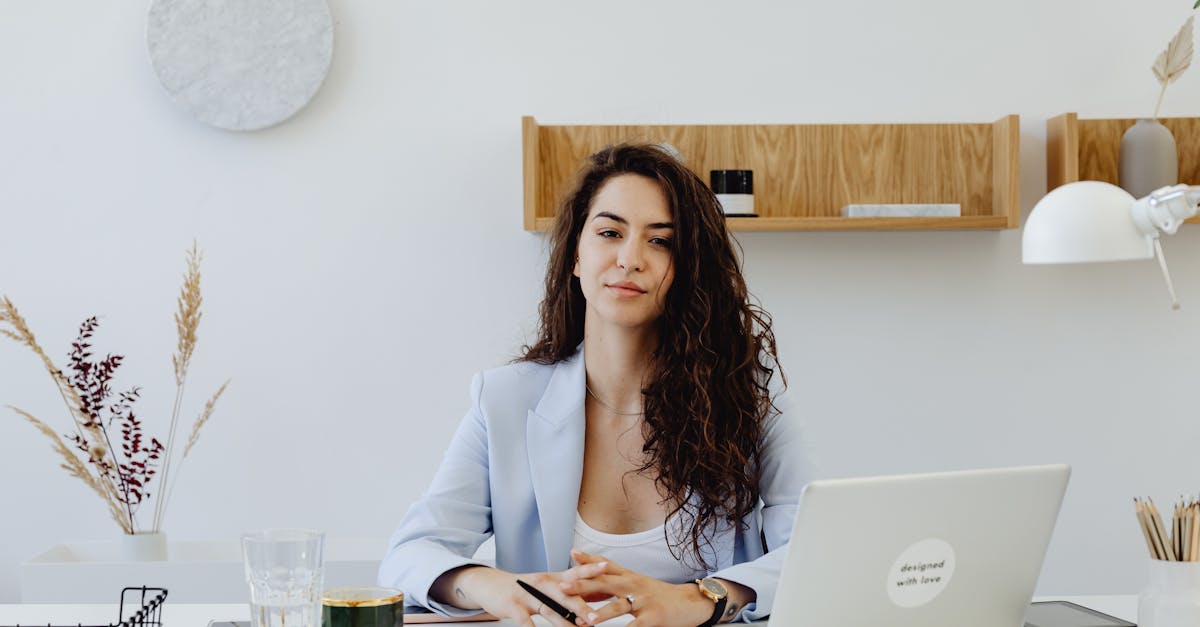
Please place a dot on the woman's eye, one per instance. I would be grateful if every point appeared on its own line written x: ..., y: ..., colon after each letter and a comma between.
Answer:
x: 609, y: 233
x: 661, y: 241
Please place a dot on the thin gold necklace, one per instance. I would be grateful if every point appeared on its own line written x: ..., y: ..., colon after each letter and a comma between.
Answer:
x: 610, y: 407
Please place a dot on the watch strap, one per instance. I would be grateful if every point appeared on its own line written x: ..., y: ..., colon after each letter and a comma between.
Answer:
x: 718, y: 610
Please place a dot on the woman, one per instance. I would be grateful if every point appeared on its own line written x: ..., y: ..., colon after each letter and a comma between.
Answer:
x: 640, y: 437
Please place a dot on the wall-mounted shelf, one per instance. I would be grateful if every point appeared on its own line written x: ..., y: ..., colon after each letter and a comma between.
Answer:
x: 804, y: 174
x: 1088, y: 150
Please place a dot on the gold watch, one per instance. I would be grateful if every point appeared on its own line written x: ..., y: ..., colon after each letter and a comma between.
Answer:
x: 715, y: 590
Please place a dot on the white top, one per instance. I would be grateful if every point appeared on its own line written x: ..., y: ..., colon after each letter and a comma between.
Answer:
x: 645, y: 552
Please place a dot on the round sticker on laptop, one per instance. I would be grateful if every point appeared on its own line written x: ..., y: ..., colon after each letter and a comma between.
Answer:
x: 921, y: 573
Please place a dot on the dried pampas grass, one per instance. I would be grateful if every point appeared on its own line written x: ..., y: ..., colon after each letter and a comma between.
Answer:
x: 203, y: 418
x: 77, y: 468
x: 86, y: 430
x: 194, y: 437
x: 92, y: 459
x: 22, y: 335
x: 187, y: 319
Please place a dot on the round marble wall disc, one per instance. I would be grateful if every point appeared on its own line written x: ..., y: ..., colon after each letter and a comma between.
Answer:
x: 240, y: 64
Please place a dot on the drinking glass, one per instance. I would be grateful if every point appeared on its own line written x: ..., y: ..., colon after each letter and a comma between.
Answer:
x: 285, y: 569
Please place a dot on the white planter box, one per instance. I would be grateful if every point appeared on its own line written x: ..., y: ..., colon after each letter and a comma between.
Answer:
x: 194, y: 572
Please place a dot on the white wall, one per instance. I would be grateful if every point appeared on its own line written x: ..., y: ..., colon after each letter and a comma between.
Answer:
x: 364, y: 258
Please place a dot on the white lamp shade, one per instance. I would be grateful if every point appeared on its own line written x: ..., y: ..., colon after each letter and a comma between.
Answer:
x: 1083, y: 222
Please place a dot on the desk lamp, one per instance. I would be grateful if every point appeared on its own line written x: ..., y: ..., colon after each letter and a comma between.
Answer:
x: 1089, y: 221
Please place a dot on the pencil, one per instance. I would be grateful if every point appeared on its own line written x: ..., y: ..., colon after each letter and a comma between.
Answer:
x: 1185, y: 531
x: 1156, y: 548
x: 1156, y: 528
x: 1156, y: 518
x: 1194, y: 556
x: 1177, y: 533
x: 1141, y: 517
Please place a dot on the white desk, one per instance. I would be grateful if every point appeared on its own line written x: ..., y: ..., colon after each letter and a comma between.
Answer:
x: 195, y: 572
x: 198, y: 615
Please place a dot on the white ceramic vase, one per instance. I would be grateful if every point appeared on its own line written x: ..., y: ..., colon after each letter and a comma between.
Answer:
x: 1148, y: 159
x: 144, y: 546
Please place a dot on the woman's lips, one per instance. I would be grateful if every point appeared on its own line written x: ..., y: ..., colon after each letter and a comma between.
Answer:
x: 625, y: 289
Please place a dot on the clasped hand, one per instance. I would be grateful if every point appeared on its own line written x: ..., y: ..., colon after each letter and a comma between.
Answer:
x: 652, y: 603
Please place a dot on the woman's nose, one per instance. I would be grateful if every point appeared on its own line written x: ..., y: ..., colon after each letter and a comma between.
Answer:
x: 630, y: 257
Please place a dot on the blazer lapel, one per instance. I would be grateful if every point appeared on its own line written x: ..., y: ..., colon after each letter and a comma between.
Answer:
x: 555, y: 444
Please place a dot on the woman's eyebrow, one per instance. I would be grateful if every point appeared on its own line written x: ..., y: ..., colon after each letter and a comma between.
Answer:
x: 611, y: 216
x: 616, y: 218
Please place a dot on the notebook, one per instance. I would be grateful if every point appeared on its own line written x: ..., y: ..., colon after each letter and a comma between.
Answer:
x: 927, y: 550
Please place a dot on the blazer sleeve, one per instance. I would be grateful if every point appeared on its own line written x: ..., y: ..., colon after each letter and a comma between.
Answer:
x: 787, y: 466
x: 443, y: 529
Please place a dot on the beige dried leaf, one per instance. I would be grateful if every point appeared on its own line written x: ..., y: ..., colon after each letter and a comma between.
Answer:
x: 1173, y: 61
x: 1177, y: 57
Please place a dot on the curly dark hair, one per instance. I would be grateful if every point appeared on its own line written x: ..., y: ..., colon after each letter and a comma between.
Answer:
x: 706, y: 399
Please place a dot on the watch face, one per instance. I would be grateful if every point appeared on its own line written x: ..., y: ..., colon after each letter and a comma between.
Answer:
x: 714, y: 586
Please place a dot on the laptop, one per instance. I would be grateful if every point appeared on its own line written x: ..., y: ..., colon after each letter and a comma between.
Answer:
x: 927, y: 550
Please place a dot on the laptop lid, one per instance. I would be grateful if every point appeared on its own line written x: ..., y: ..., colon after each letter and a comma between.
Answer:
x: 926, y: 550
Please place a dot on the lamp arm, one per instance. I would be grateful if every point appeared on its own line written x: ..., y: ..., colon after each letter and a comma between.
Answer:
x: 1165, y: 209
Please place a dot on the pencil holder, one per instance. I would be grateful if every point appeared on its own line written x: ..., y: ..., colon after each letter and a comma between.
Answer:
x: 1171, y: 597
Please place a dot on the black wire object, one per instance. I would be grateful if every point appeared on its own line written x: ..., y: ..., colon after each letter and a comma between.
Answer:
x: 148, y: 613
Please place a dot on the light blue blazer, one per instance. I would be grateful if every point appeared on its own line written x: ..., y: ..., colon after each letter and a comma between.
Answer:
x: 513, y: 471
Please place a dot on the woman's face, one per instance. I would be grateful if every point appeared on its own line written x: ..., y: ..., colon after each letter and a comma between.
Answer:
x: 624, y: 265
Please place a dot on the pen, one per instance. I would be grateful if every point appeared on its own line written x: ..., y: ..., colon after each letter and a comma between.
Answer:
x: 550, y: 603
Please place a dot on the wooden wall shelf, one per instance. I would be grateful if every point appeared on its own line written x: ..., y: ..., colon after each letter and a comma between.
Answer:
x: 1088, y: 150
x: 805, y: 174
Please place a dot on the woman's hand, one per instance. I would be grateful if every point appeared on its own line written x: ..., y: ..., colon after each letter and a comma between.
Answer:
x: 654, y: 603
x: 497, y: 593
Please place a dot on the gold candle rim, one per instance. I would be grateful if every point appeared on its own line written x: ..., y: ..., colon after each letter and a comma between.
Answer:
x: 336, y: 597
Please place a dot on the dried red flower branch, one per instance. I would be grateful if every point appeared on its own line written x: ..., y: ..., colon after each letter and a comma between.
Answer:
x: 134, y: 467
